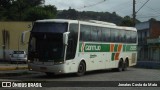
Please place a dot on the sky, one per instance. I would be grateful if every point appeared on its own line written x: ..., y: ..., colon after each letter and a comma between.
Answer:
x: 121, y: 7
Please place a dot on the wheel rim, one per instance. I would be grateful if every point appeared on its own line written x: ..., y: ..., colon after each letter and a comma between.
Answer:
x: 81, y: 68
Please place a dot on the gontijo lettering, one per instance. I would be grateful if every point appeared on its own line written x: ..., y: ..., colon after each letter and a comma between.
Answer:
x: 133, y: 48
x: 92, y: 47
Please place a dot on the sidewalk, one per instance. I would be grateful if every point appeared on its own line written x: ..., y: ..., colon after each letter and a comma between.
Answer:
x: 8, y: 67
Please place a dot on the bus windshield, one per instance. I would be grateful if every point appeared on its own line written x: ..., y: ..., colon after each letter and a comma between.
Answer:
x: 46, y: 42
x: 50, y: 27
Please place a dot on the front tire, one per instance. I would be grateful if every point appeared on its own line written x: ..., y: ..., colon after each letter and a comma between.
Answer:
x: 81, y: 69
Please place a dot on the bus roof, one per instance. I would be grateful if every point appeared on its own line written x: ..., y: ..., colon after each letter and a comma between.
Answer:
x: 58, y: 20
x: 89, y: 22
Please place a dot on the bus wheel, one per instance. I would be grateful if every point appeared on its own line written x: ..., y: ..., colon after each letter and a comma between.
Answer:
x: 81, y: 69
x: 120, y: 66
x: 49, y: 74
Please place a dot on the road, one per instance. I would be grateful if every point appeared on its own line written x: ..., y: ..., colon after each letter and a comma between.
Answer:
x: 133, y: 74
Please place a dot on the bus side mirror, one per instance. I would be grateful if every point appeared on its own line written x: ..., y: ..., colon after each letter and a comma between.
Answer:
x: 65, y: 38
x: 23, y: 36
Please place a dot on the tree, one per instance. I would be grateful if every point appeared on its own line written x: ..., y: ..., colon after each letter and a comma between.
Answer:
x: 89, y: 15
x: 152, y: 19
x: 22, y: 6
x: 127, y: 21
x: 4, y: 6
x: 36, y: 13
x: 34, y: 3
x: 72, y: 14
x: 68, y: 14
x: 5, y: 3
x: 25, y: 10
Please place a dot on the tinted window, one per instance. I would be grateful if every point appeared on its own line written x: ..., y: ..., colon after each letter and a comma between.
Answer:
x: 99, y: 34
x: 128, y: 36
x: 50, y: 27
x: 85, y: 33
x: 122, y: 36
x: 114, y: 35
x: 94, y: 34
x: 133, y: 37
x: 105, y: 34
x: 72, y: 41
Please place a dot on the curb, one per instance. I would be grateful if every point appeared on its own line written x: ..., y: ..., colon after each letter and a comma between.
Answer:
x: 12, y: 74
x: 12, y: 68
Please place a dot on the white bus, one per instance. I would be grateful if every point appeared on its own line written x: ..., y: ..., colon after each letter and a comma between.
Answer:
x: 59, y: 46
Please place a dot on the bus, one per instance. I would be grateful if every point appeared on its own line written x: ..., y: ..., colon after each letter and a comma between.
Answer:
x: 58, y: 46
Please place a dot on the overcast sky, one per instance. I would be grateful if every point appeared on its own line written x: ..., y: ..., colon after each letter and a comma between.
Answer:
x: 121, y: 7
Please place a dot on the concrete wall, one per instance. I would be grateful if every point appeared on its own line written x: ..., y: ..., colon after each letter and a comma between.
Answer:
x: 155, y: 29
x: 10, y: 37
x: 149, y: 52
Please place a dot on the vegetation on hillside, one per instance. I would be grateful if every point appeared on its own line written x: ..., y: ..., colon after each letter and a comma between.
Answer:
x: 31, y: 10
x: 25, y: 10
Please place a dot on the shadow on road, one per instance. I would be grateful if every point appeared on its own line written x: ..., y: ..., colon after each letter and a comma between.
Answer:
x: 43, y: 77
x: 90, y: 73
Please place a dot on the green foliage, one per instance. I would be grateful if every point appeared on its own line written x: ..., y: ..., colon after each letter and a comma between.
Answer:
x: 152, y: 19
x: 5, y: 3
x: 90, y: 15
x: 28, y: 10
x: 127, y: 21
x: 68, y: 14
x: 46, y: 12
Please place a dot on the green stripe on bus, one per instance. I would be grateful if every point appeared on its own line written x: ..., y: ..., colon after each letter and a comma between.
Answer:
x: 112, y: 57
x: 94, y: 47
x: 124, y: 48
x: 131, y: 48
x: 115, y: 47
x: 88, y: 47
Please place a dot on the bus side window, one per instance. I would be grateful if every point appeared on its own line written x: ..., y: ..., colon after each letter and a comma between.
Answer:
x: 94, y: 34
x: 133, y: 37
x: 112, y: 35
x: 85, y: 33
x: 122, y: 36
x: 72, y: 41
x: 106, y: 37
x: 99, y: 34
x: 128, y: 36
x: 117, y: 35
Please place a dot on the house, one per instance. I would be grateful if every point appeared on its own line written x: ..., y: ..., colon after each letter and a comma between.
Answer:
x: 10, y: 37
x: 149, y: 44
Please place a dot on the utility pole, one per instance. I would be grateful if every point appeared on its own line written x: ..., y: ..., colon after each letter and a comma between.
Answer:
x: 134, y: 13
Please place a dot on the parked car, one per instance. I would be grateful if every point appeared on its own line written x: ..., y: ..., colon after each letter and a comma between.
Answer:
x: 18, y: 56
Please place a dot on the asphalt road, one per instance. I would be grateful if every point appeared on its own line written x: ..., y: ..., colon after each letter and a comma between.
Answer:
x: 133, y: 74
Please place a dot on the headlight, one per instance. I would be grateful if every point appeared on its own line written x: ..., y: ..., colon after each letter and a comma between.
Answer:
x: 29, y: 61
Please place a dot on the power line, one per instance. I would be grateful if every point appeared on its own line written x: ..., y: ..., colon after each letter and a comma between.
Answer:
x: 121, y: 6
x: 152, y: 9
x: 91, y: 5
x: 155, y: 15
x: 149, y: 16
x: 142, y: 6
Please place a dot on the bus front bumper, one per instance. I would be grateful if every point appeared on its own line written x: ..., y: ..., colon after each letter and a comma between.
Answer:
x: 56, y: 69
